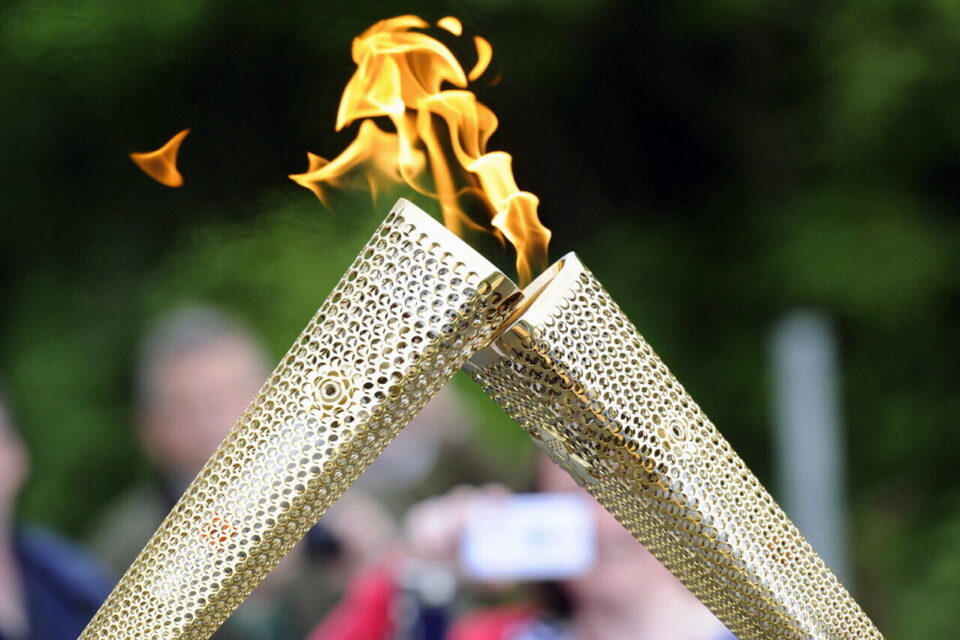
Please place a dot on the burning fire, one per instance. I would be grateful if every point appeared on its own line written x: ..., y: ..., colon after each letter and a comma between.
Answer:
x: 161, y: 165
x: 438, y: 145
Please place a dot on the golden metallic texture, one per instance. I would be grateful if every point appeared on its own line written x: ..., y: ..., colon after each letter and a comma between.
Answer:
x: 415, y: 304
x: 580, y: 379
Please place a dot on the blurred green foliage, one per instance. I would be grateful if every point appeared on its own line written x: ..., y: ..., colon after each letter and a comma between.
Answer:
x: 715, y: 163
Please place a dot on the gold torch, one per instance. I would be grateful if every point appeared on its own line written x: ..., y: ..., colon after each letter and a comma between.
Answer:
x: 416, y: 303
x: 580, y: 379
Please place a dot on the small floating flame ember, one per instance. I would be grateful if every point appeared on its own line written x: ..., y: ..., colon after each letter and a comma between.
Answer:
x: 161, y: 165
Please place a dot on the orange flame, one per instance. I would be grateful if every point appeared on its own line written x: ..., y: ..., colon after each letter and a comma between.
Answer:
x: 439, y: 143
x: 161, y: 165
x: 484, y: 55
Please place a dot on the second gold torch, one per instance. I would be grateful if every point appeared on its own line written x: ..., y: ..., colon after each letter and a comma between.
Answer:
x: 580, y: 379
x: 415, y: 304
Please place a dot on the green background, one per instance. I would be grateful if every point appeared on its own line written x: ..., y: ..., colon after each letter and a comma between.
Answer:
x: 715, y: 163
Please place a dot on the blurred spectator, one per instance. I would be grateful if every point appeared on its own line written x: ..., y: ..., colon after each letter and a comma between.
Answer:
x: 48, y: 589
x: 626, y: 594
x: 198, y: 371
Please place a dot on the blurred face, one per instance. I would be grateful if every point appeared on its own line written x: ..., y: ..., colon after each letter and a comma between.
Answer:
x: 196, y: 397
x: 624, y: 569
x: 13, y: 465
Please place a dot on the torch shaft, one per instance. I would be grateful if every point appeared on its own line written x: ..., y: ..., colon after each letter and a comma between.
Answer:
x: 412, y: 308
x: 580, y: 379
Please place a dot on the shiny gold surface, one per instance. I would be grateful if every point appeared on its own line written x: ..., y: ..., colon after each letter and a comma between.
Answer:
x: 412, y: 308
x: 579, y: 378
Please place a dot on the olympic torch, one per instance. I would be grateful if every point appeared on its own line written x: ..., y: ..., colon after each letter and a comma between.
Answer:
x: 580, y: 379
x: 414, y: 307
x: 415, y: 304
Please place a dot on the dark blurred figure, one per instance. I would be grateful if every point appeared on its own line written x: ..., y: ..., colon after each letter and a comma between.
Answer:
x: 48, y: 589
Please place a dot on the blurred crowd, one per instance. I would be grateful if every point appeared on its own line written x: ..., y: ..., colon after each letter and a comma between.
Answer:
x: 387, y: 562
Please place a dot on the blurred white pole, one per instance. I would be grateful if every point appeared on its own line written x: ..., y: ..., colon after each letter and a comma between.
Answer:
x: 809, y: 443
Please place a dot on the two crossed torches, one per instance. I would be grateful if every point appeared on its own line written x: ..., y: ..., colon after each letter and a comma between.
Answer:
x: 560, y: 357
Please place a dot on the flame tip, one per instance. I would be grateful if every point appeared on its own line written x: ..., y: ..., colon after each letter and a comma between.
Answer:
x: 451, y: 24
x: 484, y: 56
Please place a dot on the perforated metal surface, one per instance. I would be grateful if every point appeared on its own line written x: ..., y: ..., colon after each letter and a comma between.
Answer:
x: 579, y: 378
x: 414, y: 306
